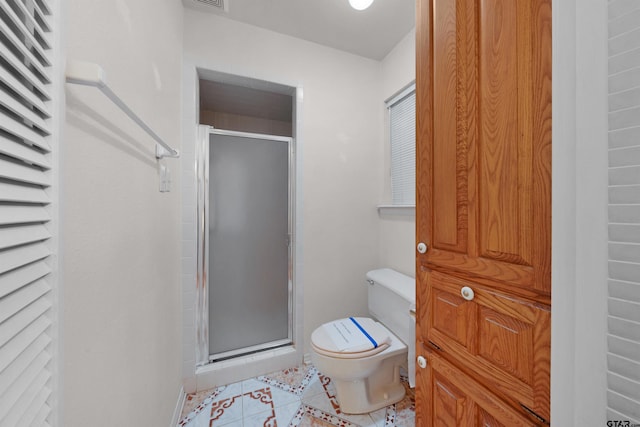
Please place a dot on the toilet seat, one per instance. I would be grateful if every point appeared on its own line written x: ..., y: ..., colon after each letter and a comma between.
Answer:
x: 323, y: 344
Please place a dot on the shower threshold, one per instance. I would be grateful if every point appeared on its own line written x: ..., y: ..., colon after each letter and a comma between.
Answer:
x: 219, y: 357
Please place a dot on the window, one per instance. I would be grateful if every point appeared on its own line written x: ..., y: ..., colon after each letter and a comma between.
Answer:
x: 402, y: 137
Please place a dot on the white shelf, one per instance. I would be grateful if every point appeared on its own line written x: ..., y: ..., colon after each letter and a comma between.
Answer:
x: 398, y: 210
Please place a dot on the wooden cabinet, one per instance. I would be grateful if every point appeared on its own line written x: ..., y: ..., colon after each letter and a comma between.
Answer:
x: 483, y: 88
x: 500, y: 339
x: 456, y: 400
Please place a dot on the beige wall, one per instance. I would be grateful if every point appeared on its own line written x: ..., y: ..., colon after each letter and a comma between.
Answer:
x: 120, y: 239
x: 397, y: 230
x: 342, y: 126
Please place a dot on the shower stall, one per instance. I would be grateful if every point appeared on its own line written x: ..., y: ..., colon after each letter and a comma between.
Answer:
x: 245, y: 252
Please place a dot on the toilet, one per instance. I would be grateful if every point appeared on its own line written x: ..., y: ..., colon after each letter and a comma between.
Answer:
x: 363, y: 355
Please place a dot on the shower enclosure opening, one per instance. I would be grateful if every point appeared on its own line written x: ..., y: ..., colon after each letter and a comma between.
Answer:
x: 246, y: 218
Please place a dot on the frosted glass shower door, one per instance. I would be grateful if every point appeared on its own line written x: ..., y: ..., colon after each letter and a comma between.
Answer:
x: 248, y: 244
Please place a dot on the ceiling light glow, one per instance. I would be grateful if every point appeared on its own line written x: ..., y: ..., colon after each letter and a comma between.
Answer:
x: 360, y: 4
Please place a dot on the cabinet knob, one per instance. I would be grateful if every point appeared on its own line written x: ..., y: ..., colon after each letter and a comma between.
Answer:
x: 467, y: 293
x: 422, y: 247
x: 422, y: 362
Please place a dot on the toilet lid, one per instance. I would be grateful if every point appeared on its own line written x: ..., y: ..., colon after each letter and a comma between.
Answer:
x: 351, y: 337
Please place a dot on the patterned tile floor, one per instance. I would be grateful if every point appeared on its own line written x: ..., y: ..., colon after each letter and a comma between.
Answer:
x: 296, y: 397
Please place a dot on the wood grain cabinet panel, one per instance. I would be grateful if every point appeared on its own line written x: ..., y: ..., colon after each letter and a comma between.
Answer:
x: 457, y: 400
x: 484, y: 140
x: 453, y: 317
x: 500, y: 339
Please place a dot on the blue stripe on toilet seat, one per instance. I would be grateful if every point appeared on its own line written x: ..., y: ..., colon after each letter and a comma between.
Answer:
x: 375, y: 344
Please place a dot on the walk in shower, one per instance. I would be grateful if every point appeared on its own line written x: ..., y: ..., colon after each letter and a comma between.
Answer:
x: 245, y: 257
x: 242, y: 247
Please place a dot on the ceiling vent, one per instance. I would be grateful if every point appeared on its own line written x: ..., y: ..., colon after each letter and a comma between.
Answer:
x: 208, y: 5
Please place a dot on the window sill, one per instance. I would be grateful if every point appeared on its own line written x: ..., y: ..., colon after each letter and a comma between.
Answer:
x: 397, y: 210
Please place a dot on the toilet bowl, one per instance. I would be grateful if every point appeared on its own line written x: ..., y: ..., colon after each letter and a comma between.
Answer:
x: 365, y: 380
x: 363, y: 355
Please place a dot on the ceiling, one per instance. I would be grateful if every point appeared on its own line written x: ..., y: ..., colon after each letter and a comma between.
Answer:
x: 371, y: 33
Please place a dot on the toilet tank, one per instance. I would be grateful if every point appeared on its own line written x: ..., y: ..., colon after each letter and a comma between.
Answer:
x: 391, y: 294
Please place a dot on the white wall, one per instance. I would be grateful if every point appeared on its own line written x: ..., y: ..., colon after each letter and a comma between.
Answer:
x: 397, y: 230
x: 591, y: 212
x: 340, y: 138
x: 579, y: 255
x: 120, y: 236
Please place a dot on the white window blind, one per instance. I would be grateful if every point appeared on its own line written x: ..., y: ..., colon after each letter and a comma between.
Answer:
x: 25, y: 212
x: 402, y: 126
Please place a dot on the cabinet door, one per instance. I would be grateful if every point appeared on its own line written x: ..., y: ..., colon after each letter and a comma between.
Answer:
x: 484, y: 141
x: 483, y: 148
x: 501, y: 340
x: 457, y: 400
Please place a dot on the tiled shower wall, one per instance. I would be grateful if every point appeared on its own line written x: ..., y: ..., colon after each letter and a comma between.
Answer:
x: 623, y: 339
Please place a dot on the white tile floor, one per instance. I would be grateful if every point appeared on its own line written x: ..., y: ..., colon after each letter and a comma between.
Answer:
x: 294, y: 397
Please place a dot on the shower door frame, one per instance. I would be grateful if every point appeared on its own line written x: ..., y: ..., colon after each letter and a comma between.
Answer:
x: 202, y: 272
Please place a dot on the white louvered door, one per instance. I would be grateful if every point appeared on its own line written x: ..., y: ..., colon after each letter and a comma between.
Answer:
x: 27, y: 203
x: 623, y: 322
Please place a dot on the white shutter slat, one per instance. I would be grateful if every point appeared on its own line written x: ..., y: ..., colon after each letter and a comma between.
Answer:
x: 23, y: 276
x: 44, y: 5
x: 22, y: 173
x: 9, y: 376
x: 19, y: 68
x: 43, y: 18
x: 40, y: 419
x: 22, y: 255
x: 22, y: 194
x: 14, y: 348
x: 23, y: 132
x: 31, y: 23
x: 26, y: 162
x: 12, y: 304
x: 21, y: 320
x: 38, y: 401
x: 9, y: 102
x: 17, y: 43
x: 21, y: 408
x: 19, y: 387
x: 23, y: 92
x: 23, y: 214
x: 16, y: 236
x: 25, y: 33
x: 24, y: 153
